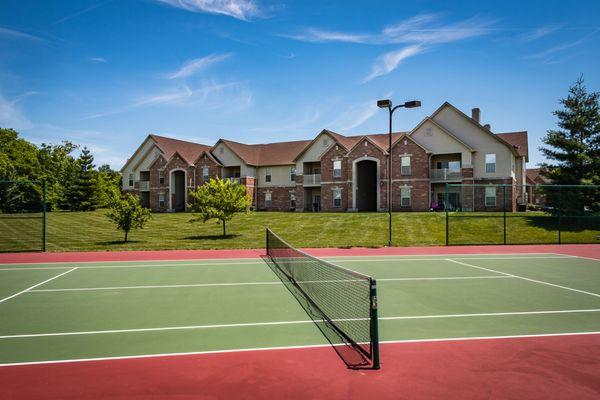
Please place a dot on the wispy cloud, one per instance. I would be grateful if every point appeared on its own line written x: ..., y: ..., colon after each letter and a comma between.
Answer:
x: 181, y: 96
x: 11, y: 115
x: 316, y: 35
x: 538, y: 33
x: 354, y: 116
x: 239, y: 9
x: 388, y: 62
x: 196, y: 65
x: 6, y: 32
x: 420, y: 32
x: 81, y: 12
x: 98, y: 60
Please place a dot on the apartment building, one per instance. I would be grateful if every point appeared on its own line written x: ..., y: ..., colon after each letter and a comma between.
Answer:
x: 334, y: 172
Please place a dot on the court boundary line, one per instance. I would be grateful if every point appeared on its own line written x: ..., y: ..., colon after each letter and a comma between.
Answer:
x: 294, y: 322
x: 527, y: 279
x: 258, y: 262
x: 258, y: 258
x: 36, y: 285
x: 573, y: 256
x: 223, y: 351
x: 258, y: 283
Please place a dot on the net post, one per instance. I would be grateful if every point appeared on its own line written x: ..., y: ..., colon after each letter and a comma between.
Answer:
x: 559, y: 213
x: 374, y: 325
x: 267, y: 240
x: 43, y: 215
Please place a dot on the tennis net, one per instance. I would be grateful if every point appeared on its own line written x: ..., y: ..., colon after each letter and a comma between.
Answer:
x: 341, y: 302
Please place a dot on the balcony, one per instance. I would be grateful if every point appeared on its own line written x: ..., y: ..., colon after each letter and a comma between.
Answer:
x: 234, y: 179
x: 445, y: 175
x: 144, y: 186
x: 311, y: 180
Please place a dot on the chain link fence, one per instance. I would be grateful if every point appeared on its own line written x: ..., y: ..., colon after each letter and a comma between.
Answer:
x: 22, y: 216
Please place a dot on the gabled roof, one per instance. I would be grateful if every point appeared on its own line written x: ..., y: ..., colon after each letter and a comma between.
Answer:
x: 188, y: 151
x: 379, y: 140
x: 477, y: 124
x: 267, y: 154
x: 209, y: 155
x: 407, y: 136
x: 519, y: 142
x: 440, y: 127
x: 534, y: 174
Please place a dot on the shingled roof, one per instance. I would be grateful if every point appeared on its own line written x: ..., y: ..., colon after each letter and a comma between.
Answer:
x: 266, y: 154
x: 189, y: 151
x: 535, y: 176
x: 518, y: 140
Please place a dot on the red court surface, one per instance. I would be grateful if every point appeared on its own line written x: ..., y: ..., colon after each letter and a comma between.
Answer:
x: 551, y: 367
x: 581, y: 250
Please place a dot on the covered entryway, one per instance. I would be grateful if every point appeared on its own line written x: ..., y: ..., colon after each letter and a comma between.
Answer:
x: 178, y: 187
x: 366, y: 185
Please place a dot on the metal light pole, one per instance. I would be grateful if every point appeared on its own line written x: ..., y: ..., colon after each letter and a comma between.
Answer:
x: 388, y: 104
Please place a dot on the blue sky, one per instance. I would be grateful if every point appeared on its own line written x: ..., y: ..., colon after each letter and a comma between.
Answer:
x: 107, y: 73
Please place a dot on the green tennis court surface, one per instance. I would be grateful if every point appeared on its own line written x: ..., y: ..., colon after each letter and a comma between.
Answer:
x: 98, y: 310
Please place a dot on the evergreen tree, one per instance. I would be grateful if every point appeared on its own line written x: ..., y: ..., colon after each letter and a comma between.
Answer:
x: 574, y: 151
x: 575, y: 147
x: 81, y: 191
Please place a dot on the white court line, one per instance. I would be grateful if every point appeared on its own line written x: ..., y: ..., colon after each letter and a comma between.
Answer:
x: 200, y: 264
x: 526, y: 279
x: 258, y: 258
x: 261, y: 283
x: 253, y: 324
x: 582, y: 257
x: 312, y: 346
x: 34, y: 286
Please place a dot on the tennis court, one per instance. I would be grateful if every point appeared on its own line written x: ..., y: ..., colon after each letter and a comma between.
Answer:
x: 203, y: 312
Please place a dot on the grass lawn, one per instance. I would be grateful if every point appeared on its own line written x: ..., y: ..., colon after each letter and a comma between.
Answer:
x: 82, y: 231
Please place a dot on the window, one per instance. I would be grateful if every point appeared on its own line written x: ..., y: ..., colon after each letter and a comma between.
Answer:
x: 490, y: 196
x: 161, y: 200
x: 292, y: 200
x: 454, y: 165
x: 131, y: 179
x: 205, y: 174
x: 337, y: 198
x: 293, y: 174
x: 337, y: 169
x: 405, y: 165
x: 490, y: 163
x: 267, y: 200
x: 268, y: 175
x: 161, y: 177
x: 405, y: 196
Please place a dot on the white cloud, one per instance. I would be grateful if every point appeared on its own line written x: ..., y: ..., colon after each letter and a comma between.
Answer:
x: 98, y: 60
x: 196, y: 65
x: 538, y: 33
x: 320, y: 35
x: 553, y: 50
x: 388, y: 62
x: 240, y: 9
x: 181, y: 96
x: 11, y: 116
x: 19, y: 35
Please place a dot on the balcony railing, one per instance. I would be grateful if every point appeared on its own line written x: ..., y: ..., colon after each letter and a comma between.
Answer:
x: 311, y: 180
x: 144, y: 186
x: 445, y: 174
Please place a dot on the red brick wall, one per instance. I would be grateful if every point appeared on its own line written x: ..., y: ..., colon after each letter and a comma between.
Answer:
x: 336, y: 152
x: 280, y: 198
x: 299, y: 193
x: 419, y: 160
x: 327, y: 197
x: 177, y: 162
x: 419, y: 194
x: 214, y: 169
x: 156, y: 186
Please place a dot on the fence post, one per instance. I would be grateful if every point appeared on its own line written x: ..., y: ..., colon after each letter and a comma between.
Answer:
x: 446, y: 210
x: 504, y: 211
x: 559, y: 212
x: 44, y: 215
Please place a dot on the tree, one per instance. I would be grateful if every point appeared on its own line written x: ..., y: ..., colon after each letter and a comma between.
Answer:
x: 575, y: 147
x: 219, y: 199
x: 108, y: 185
x: 81, y: 191
x: 127, y: 213
x: 574, y: 151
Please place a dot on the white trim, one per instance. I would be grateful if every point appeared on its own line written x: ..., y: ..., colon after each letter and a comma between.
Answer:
x: 355, y: 177
x: 454, y: 339
x: 526, y: 279
x: 36, y: 285
x: 172, y: 189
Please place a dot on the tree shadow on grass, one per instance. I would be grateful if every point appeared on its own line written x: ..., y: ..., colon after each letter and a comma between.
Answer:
x: 117, y: 242
x: 213, y: 237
